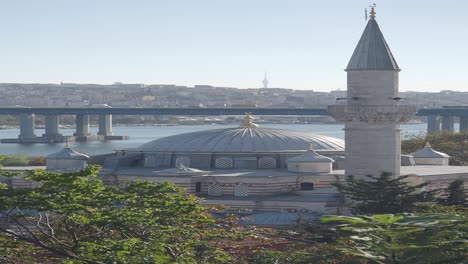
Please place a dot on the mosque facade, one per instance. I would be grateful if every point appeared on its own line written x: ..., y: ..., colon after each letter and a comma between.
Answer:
x: 244, y: 161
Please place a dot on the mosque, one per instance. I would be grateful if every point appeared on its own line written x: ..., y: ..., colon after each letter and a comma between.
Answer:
x: 275, y: 170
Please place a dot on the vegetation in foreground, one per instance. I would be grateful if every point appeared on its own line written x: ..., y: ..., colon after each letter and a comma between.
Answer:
x: 75, y: 218
x: 384, y: 194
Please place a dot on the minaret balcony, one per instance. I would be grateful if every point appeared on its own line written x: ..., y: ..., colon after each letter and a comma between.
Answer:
x: 372, y: 113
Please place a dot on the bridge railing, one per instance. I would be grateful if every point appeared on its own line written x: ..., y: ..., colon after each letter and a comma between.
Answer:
x: 381, y: 109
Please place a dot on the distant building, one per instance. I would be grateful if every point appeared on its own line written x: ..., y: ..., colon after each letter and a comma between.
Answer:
x: 265, y: 81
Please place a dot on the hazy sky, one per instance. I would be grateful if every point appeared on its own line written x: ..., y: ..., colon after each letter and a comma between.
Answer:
x: 302, y: 44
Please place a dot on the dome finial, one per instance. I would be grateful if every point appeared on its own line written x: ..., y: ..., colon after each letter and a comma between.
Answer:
x: 311, y: 147
x: 372, y: 12
x: 247, y: 122
x: 428, y: 145
x: 67, y: 143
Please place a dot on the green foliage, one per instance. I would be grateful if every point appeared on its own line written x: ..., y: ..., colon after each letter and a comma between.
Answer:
x: 16, y: 251
x: 384, y: 194
x: 75, y: 216
x: 454, y: 144
x: 318, y: 254
x: 15, y: 160
x: 421, y: 239
x: 21, y: 160
x: 37, y: 161
x: 456, y: 193
x: 432, y: 208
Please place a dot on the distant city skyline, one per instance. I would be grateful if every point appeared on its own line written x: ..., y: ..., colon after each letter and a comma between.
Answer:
x: 301, y: 44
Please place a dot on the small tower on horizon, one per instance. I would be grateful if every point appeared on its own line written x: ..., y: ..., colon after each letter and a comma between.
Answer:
x: 373, y: 114
x: 265, y: 81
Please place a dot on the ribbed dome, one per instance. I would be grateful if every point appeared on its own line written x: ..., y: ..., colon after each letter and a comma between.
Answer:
x: 310, y: 157
x: 68, y: 154
x: 428, y: 152
x: 243, y: 139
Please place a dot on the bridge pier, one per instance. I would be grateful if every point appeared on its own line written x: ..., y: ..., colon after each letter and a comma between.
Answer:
x: 82, y: 126
x: 105, y: 125
x: 52, y: 128
x: 433, y: 124
x: 26, y: 127
x: 463, y: 123
x: 448, y: 123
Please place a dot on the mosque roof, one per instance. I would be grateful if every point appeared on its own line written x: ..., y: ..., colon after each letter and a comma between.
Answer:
x: 310, y: 157
x: 372, y: 52
x: 235, y: 140
x: 181, y: 170
x: 68, y: 153
x: 249, y: 137
x: 428, y: 152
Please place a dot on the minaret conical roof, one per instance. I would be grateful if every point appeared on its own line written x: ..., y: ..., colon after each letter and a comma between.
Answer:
x: 372, y: 51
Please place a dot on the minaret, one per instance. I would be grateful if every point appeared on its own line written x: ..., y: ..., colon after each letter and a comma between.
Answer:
x: 265, y: 81
x: 372, y: 115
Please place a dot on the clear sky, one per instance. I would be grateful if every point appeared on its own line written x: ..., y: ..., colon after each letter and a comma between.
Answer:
x: 302, y: 44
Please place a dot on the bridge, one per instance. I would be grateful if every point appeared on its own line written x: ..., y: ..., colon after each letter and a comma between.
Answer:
x: 164, y: 111
x: 443, y: 119
x: 438, y: 119
x: 27, y: 116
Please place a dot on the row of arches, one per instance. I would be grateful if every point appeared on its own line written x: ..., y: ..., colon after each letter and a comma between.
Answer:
x: 219, y: 163
x: 228, y: 162
x: 216, y: 189
x: 241, y: 189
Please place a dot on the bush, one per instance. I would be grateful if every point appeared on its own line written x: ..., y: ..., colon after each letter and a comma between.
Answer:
x: 15, y: 160
x: 21, y: 160
x: 37, y: 161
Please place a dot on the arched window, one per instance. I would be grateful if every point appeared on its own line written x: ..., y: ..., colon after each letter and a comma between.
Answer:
x: 198, y: 187
x: 241, y: 190
x: 150, y: 161
x: 182, y: 160
x: 267, y: 163
x: 224, y: 163
x: 215, y: 189
x: 306, y: 186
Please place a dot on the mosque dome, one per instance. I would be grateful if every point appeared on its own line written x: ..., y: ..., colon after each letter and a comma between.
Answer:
x: 246, y: 138
x: 310, y: 157
x: 311, y: 162
x: 428, y: 152
x: 68, y: 154
x: 428, y: 156
x: 66, y: 159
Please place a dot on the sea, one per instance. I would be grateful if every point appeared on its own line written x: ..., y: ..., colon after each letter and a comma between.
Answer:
x: 139, y: 135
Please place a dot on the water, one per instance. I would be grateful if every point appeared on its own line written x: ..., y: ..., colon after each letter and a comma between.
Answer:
x: 142, y: 134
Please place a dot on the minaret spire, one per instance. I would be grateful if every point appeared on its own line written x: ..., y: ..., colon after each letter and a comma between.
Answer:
x: 372, y: 51
x: 372, y: 12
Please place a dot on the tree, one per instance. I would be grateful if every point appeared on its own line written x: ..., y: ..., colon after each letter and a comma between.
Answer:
x: 384, y: 194
x: 75, y: 216
x: 456, y: 193
x: 401, y: 239
x: 454, y: 144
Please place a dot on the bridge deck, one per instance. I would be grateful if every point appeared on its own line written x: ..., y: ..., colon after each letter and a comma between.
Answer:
x: 203, y: 111
x: 164, y: 111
